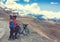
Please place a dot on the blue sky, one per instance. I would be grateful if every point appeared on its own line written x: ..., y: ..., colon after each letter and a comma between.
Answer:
x: 49, y: 8
x: 43, y: 4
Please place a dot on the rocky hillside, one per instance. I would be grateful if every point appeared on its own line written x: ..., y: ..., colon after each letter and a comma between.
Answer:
x: 46, y: 29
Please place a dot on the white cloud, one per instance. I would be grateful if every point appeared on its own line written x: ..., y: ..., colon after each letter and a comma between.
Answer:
x: 33, y: 8
x: 13, y: 5
x: 50, y: 14
x: 26, y: 0
x: 30, y: 9
x: 53, y: 3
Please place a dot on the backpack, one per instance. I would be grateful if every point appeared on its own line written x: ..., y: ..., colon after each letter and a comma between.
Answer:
x: 11, y: 24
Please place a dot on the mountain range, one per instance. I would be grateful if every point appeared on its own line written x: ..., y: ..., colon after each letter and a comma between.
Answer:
x: 7, y: 11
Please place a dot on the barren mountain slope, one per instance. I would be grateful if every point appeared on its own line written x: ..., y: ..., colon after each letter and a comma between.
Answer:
x: 46, y: 29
